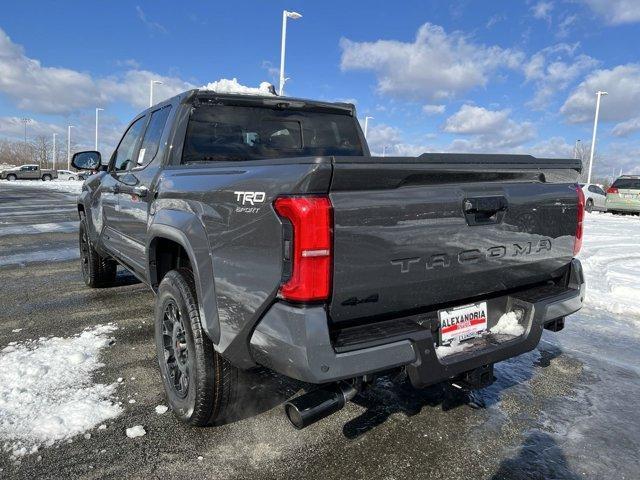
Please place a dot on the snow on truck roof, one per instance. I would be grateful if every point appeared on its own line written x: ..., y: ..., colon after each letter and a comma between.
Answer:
x: 233, y: 86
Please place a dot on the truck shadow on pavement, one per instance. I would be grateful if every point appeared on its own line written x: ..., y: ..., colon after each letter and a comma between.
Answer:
x: 262, y: 390
x: 389, y: 395
x: 539, y: 457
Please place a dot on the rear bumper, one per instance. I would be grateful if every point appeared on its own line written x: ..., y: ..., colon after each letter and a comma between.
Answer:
x: 623, y: 205
x: 296, y: 341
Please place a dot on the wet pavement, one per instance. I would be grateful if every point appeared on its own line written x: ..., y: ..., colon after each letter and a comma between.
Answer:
x: 565, y: 410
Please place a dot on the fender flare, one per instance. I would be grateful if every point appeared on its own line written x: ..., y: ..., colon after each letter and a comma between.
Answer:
x: 186, y: 229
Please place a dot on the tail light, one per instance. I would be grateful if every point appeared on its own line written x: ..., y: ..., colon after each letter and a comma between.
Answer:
x: 612, y: 190
x: 580, y: 226
x: 310, y: 248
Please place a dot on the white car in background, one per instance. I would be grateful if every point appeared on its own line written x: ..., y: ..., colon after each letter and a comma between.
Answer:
x: 594, y: 197
x: 67, y: 175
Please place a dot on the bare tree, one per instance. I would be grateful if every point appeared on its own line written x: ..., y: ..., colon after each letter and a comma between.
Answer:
x: 583, y: 152
x: 14, y: 153
x: 41, y: 147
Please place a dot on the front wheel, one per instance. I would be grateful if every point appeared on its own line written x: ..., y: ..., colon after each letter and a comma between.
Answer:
x: 199, y: 384
x: 97, y: 271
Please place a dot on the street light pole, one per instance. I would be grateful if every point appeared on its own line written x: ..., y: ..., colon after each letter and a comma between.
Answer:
x: 69, y: 127
x: 54, y: 151
x: 285, y: 15
x: 25, y: 121
x: 366, y: 125
x: 595, y: 128
x: 151, y: 84
x: 575, y: 149
x: 97, y: 110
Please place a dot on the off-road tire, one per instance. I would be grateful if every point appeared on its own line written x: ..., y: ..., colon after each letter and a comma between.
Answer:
x: 97, y: 271
x: 212, y: 380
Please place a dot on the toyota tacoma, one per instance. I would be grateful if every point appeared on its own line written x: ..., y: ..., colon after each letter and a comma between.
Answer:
x: 271, y: 237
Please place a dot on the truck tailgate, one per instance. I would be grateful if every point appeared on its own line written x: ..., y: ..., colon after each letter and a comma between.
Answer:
x: 412, y: 233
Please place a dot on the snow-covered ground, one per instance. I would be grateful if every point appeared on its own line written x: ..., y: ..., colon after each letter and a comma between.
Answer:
x: 69, y: 186
x: 47, y: 393
x: 611, y: 259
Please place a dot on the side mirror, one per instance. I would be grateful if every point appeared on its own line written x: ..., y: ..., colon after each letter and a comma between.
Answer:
x: 89, y: 160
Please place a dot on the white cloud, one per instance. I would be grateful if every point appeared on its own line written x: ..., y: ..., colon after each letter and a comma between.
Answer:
x: 565, y: 25
x: 435, y: 66
x: 433, y: 109
x: 623, y: 129
x: 42, y: 89
x: 616, y: 12
x: 54, y: 90
x: 133, y: 87
x: 554, y: 147
x: 542, y: 10
x: 14, y: 127
x: 553, y: 69
x: 490, y: 130
x: 620, y: 156
x: 623, y: 102
x: 381, y: 135
x: 494, y: 19
x: 150, y: 24
x: 476, y: 120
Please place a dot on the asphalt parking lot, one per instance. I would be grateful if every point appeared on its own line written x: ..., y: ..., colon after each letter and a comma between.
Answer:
x: 565, y: 410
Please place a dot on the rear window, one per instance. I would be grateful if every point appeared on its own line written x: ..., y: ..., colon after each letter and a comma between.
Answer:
x: 231, y: 133
x: 632, y: 183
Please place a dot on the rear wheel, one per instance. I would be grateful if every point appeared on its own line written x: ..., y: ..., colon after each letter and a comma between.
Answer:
x: 11, y: 178
x: 199, y: 384
x: 97, y: 271
x: 46, y: 178
x: 589, y: 206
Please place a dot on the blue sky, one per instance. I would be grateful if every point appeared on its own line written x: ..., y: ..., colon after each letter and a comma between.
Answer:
x: 475, y: 76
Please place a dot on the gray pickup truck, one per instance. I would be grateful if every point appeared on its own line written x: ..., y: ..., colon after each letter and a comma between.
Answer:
x: 28, y: 172
x: 272, y: 238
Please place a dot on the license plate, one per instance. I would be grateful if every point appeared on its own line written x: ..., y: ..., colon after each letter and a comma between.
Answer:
x: 462, y: 323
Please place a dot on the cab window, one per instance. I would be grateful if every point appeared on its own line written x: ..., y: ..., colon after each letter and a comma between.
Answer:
x: 152, y: 136
x: 123, y: 156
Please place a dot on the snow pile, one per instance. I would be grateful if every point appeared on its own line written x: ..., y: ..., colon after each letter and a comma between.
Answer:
x: 610, y: 257
x: 137, y: 431
x: 37, y: 228
x: 68, y: 186
x: 232, y: 86
x: 508, y: 325
x: 454, y: 347
x: 161, y: 409
x: 47, y: 393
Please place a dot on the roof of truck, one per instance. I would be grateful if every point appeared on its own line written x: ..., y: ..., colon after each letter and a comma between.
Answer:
x: 202, y: 95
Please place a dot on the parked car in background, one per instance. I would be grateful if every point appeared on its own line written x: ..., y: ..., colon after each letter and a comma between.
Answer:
x: 67, y: 175
x: 624, y: 195
x: 28, y: 172
x: 595, y: 197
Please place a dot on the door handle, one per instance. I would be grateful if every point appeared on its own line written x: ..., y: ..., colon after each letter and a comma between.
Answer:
x: 141, y: 191
x: 484, y: 210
